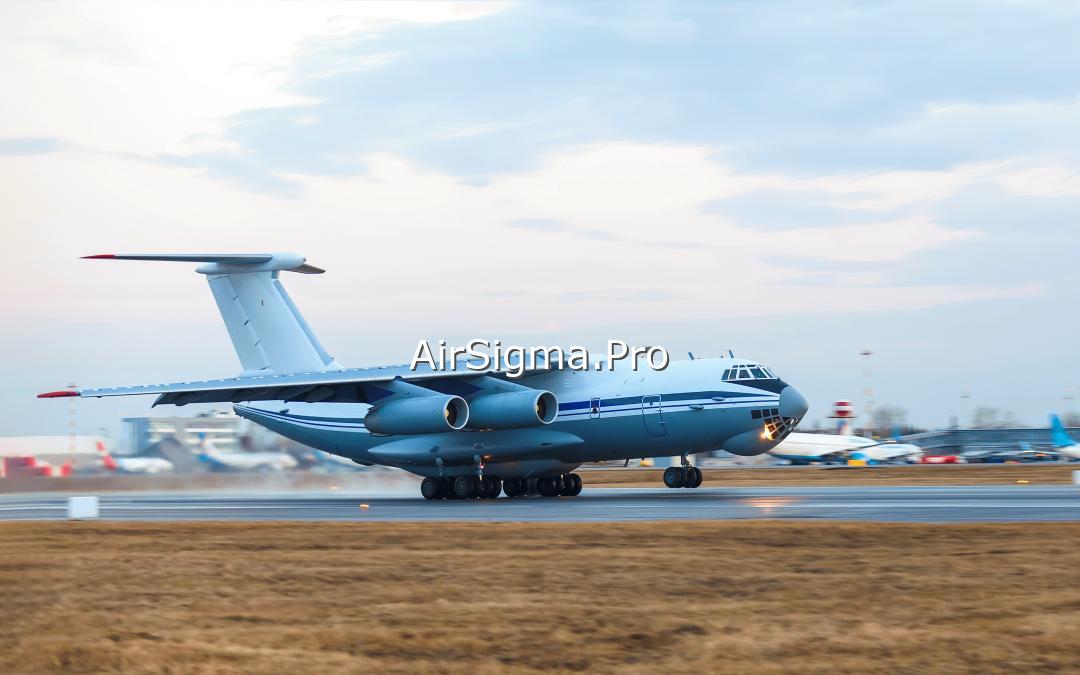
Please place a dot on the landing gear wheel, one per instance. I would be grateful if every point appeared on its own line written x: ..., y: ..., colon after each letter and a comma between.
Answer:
x: 490, y: 487
x: 549, y: 486
x: 466, y: 487
x: 432, y: 488
x: 515, y: 487
x: 674, y: 477
x: 571, y: 485
x: 695, y: 477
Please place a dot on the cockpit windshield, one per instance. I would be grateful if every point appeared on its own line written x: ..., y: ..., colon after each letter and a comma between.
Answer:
x: 748, y: 371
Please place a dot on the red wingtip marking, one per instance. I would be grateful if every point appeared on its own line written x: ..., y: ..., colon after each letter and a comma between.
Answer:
x: 58, y: 394
x: 100, y: 256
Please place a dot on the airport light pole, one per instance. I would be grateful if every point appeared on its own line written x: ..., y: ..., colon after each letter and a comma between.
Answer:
x: 868, y: 393
x: 965, y: 405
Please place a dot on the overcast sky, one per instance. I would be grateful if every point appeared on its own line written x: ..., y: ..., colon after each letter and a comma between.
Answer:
x: 902, y: 177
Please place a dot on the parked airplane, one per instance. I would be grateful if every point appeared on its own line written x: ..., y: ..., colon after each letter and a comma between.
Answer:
x: 802, y: 448
x: 1062, y: 441
x: 145, y: 465
x: 1023, y: 453
x: 470, y: 434
x: 245, y: 461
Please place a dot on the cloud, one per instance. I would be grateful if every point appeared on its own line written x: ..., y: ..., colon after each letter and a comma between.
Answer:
x: 853, y: 88
x: 11, y: 147
x: 538, y: 224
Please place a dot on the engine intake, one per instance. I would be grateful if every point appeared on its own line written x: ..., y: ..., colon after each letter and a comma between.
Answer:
x: 514, y: 409
x: 418, y: 415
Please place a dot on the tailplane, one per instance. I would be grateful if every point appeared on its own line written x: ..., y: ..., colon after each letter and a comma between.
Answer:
x: 266, y: 329
x: 1058, y: 435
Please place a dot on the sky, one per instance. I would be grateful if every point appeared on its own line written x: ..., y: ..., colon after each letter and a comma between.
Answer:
x: 795, y: 185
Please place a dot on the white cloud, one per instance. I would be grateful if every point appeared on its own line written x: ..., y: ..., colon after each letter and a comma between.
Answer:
x: 160, y: 77
x: 412, y: 246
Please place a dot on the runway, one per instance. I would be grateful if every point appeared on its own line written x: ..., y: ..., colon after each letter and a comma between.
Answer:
x: 911, y: 504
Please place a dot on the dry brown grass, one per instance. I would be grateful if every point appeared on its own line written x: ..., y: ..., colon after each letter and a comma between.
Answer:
x: 451, y: 597
x: 917, y: 474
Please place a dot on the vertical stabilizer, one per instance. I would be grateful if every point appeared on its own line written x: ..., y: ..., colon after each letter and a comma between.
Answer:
x: 1058, y: 435
x: 266, y: 329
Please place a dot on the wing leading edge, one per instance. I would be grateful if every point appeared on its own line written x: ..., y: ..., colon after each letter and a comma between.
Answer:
x: 349, y: 385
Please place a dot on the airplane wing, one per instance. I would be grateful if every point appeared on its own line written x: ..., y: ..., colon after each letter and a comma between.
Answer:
x: 349, y: 385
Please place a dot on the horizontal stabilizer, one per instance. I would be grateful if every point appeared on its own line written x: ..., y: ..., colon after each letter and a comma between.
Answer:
x: 231, y: 258
x: 223, y: 262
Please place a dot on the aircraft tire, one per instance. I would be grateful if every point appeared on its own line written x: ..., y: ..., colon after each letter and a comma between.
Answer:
x: 490, y: 488
x: 510, y: 488
x: 466, y: 487
x: 695, y: 477
x: 432, y: 488
x: 575, y: 481
x: 673, y: 477
x: 571, y: 485
x: 549, y: 486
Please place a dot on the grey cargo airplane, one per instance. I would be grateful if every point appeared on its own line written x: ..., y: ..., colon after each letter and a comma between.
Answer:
x: 469, y: 434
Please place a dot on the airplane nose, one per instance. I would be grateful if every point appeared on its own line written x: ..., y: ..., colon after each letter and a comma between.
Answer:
x: 792, y: 403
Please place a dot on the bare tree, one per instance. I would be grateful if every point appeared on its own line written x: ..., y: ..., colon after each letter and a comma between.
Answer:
x: 889, y: 417
x: 985, y: 417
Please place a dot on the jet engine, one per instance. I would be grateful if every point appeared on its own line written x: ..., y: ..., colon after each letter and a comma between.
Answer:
x: 418, y: 415
x: 513, y: 409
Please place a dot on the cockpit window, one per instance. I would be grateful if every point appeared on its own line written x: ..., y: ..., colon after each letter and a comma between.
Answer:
x: 748, y: 372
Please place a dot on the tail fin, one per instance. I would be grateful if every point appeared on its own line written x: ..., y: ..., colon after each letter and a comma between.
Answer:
x: 1058, y: 436
x: 106, y: 459
x: 266, y: 329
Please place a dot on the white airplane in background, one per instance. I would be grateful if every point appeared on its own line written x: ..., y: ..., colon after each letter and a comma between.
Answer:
x: 803, y: 448
x: 245, y: 461
x: 142, y: 465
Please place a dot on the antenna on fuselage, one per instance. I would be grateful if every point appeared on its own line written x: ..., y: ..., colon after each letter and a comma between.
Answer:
x: 691, y: 355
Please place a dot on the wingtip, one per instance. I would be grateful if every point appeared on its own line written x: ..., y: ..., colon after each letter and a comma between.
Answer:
x: 58, y: 394
x: 99, y: 256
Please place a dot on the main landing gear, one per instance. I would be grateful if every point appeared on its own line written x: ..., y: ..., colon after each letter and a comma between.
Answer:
x: 488, y: 487
x: 682, y: 477
x: 566, y: 485
x: 461, y: 487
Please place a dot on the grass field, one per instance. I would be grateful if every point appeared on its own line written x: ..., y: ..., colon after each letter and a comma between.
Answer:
x: 643, y: 597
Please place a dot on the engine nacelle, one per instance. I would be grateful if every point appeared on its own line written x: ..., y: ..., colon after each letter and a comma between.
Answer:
x: 513, y: 409
x: 418, y: 415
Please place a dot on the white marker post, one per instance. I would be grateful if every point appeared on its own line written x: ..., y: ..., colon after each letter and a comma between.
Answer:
x: 81, y: 508
x: 1076, y: 477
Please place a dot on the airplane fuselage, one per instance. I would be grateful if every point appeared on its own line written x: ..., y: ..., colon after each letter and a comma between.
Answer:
x: 603, y: 415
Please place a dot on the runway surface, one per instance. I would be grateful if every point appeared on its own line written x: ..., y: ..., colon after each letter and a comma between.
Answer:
x: 914, y: 504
